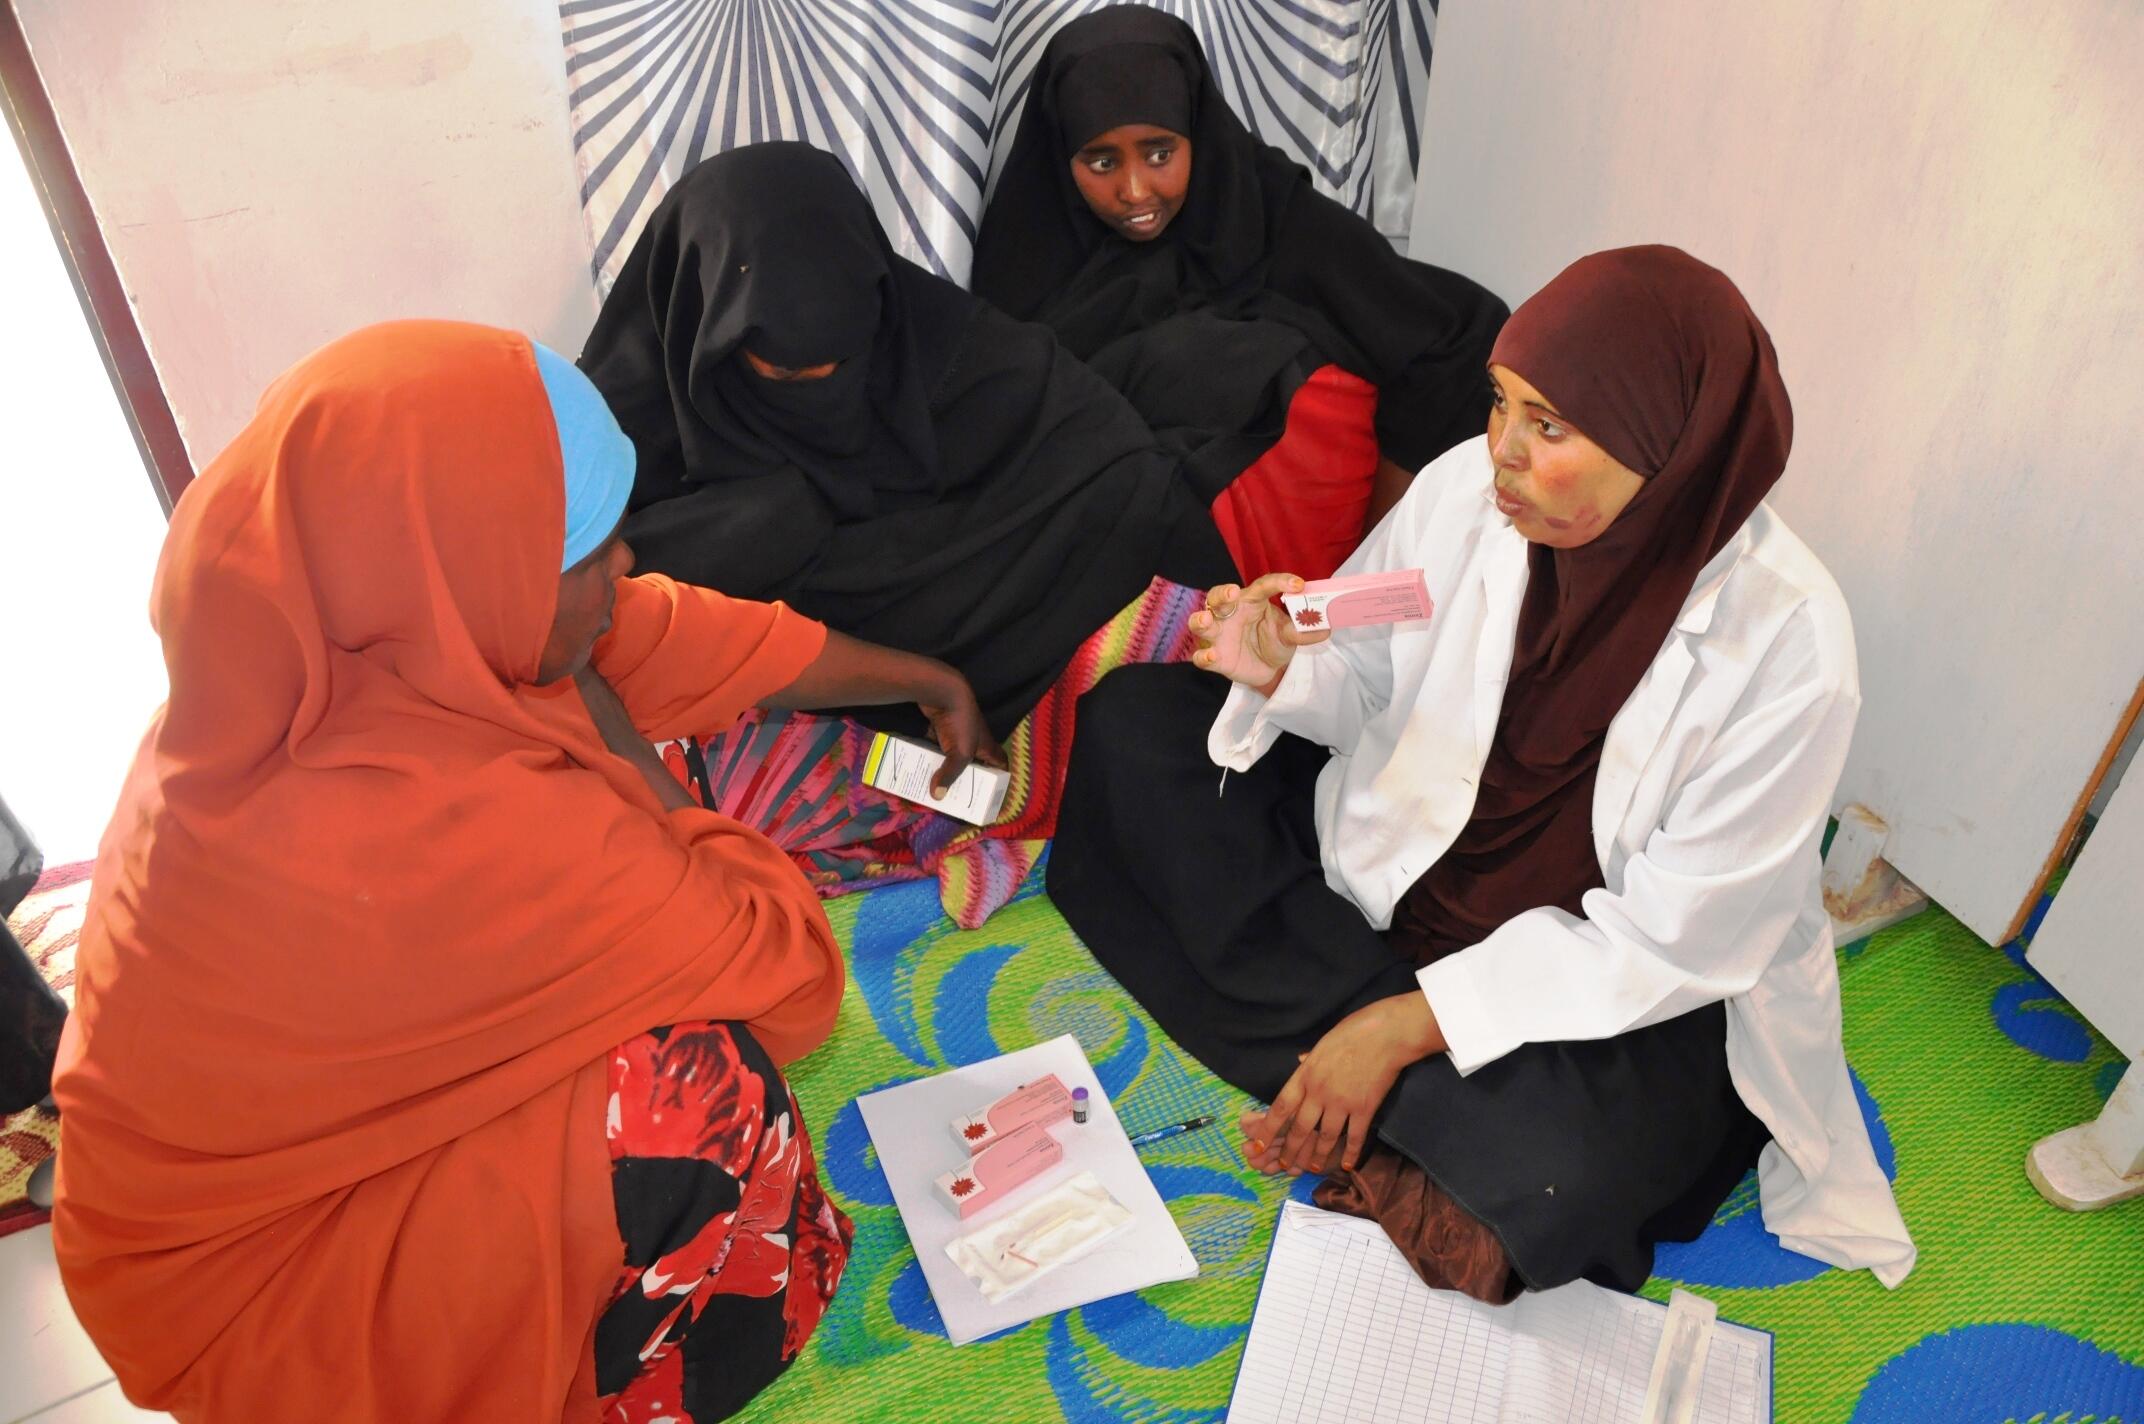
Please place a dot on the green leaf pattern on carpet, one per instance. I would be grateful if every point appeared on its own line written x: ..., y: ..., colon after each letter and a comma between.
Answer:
x: 2045, y: 1309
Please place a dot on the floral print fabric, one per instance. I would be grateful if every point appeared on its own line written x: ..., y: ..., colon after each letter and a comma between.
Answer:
x: 731, y: 1249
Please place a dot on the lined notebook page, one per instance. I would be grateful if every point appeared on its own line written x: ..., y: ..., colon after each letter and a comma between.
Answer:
x: 1345, y: 1333
x: 1583, y: 1355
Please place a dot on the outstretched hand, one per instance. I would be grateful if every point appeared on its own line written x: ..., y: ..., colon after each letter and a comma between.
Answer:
x: 850, y: 672
x: 1245, y: 637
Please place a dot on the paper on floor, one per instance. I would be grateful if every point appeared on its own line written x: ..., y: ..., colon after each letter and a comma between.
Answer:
x: 907, y: 1126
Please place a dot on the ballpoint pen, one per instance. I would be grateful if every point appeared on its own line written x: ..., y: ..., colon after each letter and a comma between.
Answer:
x: 1141, y: 1139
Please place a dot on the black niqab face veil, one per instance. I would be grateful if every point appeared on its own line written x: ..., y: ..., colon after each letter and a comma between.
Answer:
x: 958, y: 486
x: 772, y: 249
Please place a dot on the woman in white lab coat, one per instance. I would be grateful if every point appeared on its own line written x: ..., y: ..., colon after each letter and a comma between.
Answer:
x: 1513, y: 914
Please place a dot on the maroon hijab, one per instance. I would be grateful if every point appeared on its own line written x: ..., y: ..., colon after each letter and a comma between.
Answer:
x: 1657, y: 359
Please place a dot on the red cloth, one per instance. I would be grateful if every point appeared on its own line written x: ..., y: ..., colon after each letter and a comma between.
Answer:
x: 732, y: 1249
x: 1300, y: 508
x: 373, y: 911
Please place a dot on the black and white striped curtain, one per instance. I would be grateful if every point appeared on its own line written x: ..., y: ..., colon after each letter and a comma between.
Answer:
x: 916, y: 96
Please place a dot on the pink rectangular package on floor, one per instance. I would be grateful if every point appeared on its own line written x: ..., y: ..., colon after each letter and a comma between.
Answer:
x: 1043, y: 1101
x: 995, y: 1172
x: 1359, y: 600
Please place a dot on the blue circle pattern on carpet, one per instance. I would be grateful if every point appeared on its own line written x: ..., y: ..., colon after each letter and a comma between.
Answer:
x: 892, y: 928
x: 1990, y: 1371
x: 2036, y: 1018
x: 1736, y: 1252
x: 1999, y: 1372
x: 887, y: 922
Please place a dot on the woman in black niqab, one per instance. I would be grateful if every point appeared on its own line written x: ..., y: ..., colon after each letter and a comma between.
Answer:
x: 821, y: 421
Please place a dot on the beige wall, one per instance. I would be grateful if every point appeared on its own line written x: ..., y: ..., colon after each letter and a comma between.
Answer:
x: 271, y: 175
x: 1939, y: 212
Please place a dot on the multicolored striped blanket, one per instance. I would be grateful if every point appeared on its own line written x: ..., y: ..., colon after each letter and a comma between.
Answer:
x: 800, y: 779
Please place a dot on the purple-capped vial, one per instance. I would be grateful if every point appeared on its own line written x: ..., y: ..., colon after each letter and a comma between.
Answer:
x: 1079, y: 1105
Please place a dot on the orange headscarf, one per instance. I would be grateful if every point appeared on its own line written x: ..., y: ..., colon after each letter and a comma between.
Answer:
x: 372, y: 909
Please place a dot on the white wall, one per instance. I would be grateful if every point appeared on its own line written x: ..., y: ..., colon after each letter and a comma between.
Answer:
x: 271, y: 175
x: 2089, y: 944
x: 1939, y: 212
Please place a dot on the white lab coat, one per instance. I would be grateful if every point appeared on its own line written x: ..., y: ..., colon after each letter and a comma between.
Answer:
x: 1708, y: 813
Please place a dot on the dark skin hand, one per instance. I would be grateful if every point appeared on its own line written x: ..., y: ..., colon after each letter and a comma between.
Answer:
x: 619, y: 734
x: 852, y: 673
x: 847, y: 673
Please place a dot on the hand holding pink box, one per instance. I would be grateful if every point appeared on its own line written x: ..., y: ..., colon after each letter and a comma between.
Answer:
x: 1359, y: 601
x: 1043, y: 1102
x: 1001, y: 1169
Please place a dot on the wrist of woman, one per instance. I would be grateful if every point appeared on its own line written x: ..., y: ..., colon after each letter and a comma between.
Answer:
x: 1413, y: 1024
x: 1272, y: 684
x: 937, y: 684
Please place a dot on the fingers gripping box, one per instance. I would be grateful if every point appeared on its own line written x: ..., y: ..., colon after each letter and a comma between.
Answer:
x: 1359, y: 601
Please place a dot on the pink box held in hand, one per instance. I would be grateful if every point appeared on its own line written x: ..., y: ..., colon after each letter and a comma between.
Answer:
x: 1359, y: 601
x: 999, y: 1170
x: 1043, y: 1102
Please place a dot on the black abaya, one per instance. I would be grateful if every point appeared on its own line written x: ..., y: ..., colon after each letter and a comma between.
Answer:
x: 1258, y: 281
x: 959, y: 487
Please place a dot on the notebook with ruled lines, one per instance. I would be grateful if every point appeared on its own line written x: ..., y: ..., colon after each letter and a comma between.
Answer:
x: 1346, y: 1333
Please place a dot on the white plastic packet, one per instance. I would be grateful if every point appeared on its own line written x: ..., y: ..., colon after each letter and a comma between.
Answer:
x: 1054, y: 1229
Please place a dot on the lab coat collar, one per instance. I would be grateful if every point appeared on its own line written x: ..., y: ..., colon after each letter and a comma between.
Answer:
x: 1705, y: 593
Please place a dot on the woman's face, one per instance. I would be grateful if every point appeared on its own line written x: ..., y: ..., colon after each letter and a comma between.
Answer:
x: 1557, y: 487
x: 585, y: 595
x: 1134, y: 178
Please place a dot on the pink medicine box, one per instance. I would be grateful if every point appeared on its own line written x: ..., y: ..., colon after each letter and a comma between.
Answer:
x: 1042, y: 1102
x: 995, y: 1172
x: 1359, y: 601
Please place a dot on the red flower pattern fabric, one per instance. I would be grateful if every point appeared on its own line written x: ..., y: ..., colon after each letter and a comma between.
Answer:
x: 690, y: 1097
x: 732, y: 1249
x: 823, y: 1236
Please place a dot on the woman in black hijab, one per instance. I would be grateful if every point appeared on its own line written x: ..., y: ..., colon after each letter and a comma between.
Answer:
x: 1197, y: 269
x: 821, y: 421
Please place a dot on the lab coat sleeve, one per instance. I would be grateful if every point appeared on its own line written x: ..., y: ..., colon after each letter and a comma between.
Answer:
x: 1333, y: 689
x: 1321, y: 697
x: 1702, y: 908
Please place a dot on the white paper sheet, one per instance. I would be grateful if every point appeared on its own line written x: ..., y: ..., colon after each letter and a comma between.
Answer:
x: 1346, y: 1333
x: 908, y: 1127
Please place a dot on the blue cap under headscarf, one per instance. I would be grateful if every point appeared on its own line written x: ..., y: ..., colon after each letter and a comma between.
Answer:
x: 596, y: 453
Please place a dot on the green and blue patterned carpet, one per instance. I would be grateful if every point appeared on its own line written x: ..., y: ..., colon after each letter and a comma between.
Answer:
x: 2017, y: 1312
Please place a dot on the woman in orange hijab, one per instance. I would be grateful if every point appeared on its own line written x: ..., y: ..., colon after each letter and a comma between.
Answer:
x: 424, y: 1061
